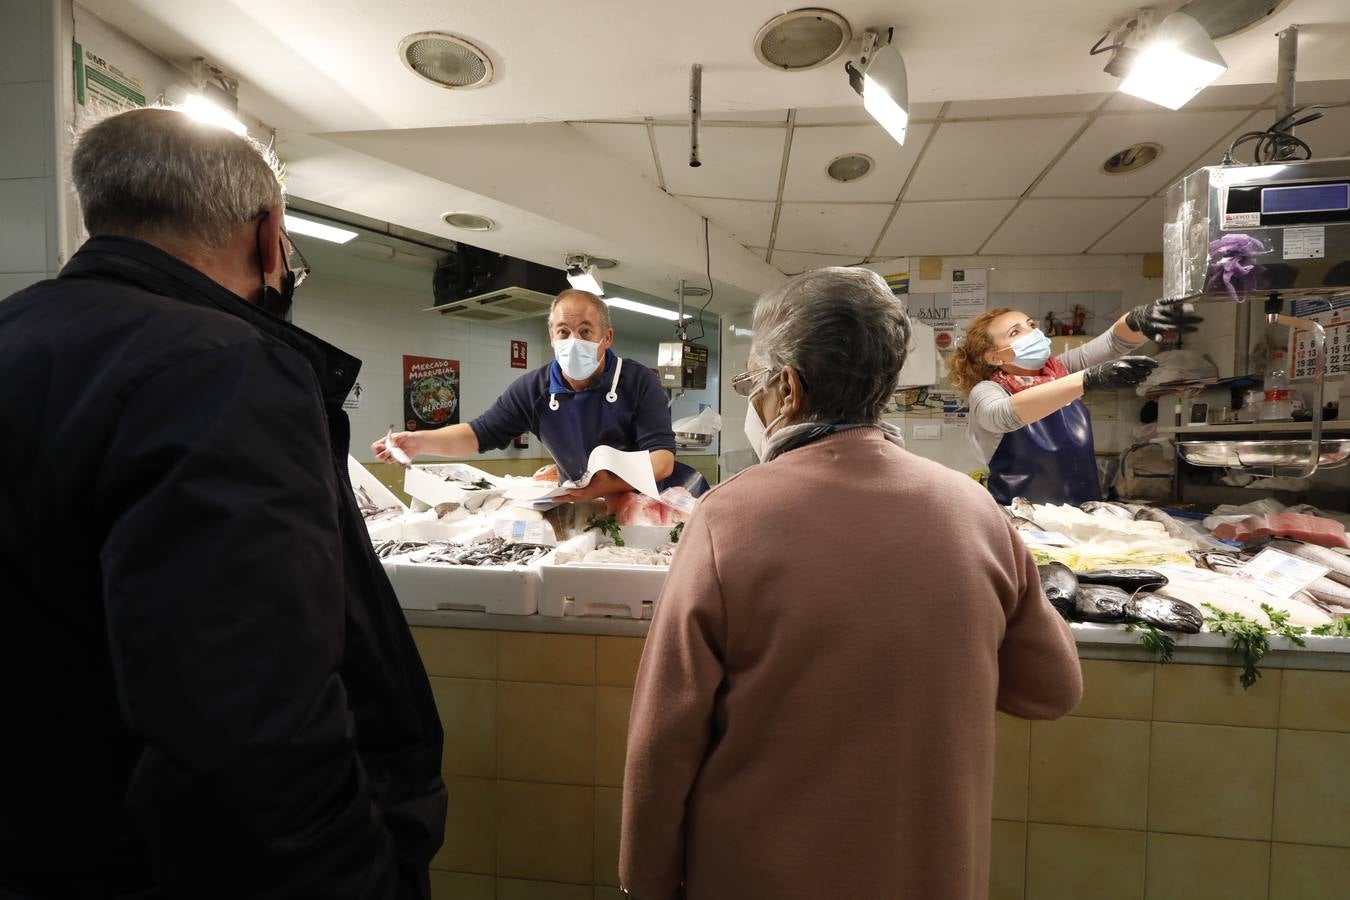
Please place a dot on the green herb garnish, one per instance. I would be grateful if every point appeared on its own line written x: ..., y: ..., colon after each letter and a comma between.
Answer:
x: 1279, y: 624
x: 608, y: 526
x: 676, y: 532
x: 1247, y: 637
x: 1158, y: 642
x: 1337, y: 628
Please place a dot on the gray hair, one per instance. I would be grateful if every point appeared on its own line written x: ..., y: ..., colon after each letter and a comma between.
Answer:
x: 157, y: 171
x: 601, y: 307
x: 844, y: 332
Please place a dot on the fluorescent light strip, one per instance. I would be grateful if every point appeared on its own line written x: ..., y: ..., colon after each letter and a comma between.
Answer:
x: 647, y: 310
x: 882, y: 107
x: 310, y: 228
x: 587, y: 280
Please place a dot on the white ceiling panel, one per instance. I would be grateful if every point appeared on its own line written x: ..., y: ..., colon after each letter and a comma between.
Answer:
x: 627, y: 143
x: 1024, y: 106
x: 946, y: 228
x: 790, y: 263
x: 738, y: 163
x: 1182, y: 135
x: 1212, y: 96
x: 1056, y: 226
x: 848, y: 229
x: 748, y: 221
x: 813, y: 149
x: 1322, y: 92
x: 983, y: 160
x: 749, y: 117
x: 1140, y: 233
x: 854, y: 114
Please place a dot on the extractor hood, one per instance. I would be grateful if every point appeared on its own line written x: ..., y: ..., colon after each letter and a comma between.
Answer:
x: 476, y: 285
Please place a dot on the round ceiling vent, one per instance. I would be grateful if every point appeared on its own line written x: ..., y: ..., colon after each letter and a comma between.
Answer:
x: 802, y: 39
x: 849, y: 167
x: 445, y: 60
x: 1131, y: 159
x: 468, y: 221
x: 603, y: 262
x: 693, y: 290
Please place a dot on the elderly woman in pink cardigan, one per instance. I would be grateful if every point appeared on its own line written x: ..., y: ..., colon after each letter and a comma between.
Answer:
x: 814, y: 713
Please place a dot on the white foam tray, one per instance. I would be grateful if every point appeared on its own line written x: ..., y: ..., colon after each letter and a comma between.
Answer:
x: 602, y: 589
x: 502, y: 590
x: 424, y: 484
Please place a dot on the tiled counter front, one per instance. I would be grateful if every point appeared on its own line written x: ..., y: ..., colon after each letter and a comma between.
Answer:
x: 1167, y: 782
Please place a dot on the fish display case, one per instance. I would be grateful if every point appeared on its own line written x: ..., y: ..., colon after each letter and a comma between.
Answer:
x: 574, y: 583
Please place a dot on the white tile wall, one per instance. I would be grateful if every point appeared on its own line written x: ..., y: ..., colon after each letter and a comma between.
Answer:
x: 28, y: 245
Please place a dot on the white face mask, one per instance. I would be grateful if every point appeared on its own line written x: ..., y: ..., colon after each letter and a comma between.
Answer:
x: 578, y: 359
x: 756, y: 432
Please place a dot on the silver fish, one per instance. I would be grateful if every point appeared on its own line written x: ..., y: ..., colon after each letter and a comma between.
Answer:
x: 1100, y: 508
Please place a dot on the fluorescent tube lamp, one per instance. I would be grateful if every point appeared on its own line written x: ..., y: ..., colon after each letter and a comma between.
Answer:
x: 1178, y: 62
x: 883, y: 84
x: 584, y: 279
x: 297, y: 225
x: 199, y: 109
x: 669, y: 315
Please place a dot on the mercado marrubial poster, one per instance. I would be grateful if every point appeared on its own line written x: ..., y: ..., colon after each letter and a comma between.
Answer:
x: 430, y: 392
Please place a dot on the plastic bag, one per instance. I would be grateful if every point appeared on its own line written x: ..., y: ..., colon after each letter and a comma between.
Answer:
x: 706, y: 422
x: 675, y: 506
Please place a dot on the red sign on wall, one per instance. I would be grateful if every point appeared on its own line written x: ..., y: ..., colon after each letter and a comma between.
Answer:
x: 518, y: 353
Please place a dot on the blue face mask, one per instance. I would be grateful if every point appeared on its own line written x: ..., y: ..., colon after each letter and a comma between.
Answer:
x: 1032, y: 350
x: 578, y: 359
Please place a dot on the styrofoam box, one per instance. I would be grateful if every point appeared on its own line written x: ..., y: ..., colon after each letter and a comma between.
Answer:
x: 507, y: 590
x: 361, y: 477
x: 602, y: 589
x: 426, y: 529
x: 425, y: 484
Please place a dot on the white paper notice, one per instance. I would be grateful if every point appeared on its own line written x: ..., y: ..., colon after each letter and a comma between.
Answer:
x: 356, y: 397
x: 1278, y: 573
x: 634, y: 467
x: 1305, y: 243
x: 970, y: 293
x: 1046, y: 538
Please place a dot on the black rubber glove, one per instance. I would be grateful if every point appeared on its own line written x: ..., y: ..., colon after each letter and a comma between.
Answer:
x: 1155, y: 319
x: 1118, y: 373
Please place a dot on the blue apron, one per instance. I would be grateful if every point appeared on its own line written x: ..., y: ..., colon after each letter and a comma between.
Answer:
x: 1050, y: 461
x: 570, y: 429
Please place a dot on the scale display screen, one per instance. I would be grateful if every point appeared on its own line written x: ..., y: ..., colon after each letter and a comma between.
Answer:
x: 1305, y: 198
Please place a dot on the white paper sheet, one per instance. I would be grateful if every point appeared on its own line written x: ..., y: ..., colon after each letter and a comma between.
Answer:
x: 1278, y: 573
x: 634, y: 467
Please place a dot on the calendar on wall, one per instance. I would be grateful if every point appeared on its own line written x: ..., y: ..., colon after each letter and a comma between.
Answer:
x: 1337, y: 324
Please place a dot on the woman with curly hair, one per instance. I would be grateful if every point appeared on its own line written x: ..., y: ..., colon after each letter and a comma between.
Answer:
x: 1028, y: 421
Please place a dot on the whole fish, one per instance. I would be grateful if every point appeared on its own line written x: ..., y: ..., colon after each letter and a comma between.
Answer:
x: 1101, y: 508
x: 1338, y: 564
x: 1129, y: 580
x: 1174, y: 528
x: 1022, y: 524
x: 1060, y: 585
x: 1216, y: 561
x: 1099, y: 603
x: 1023, y: 508
x: 1164, y: 613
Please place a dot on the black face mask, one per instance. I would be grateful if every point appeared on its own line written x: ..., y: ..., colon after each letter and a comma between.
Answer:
x: 276, y: 302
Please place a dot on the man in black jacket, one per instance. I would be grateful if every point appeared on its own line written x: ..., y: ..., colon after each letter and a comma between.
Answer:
x: 208, y: 688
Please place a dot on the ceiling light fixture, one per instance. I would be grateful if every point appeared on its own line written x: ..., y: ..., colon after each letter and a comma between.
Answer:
x: 802, y: 39
x: 849, y: 167
x: 468, y: 221
x: 880, y: 79
x: 1132, y: 158
x: 446, y: 60
x: 1167, y: 65
x: 583, y: 278
x: 297, y: 225
x: 644, y: 308
x: 199, y: 109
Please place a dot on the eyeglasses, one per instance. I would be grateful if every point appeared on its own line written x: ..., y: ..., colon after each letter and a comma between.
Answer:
x: 295, y: 260
x: 744, y: 383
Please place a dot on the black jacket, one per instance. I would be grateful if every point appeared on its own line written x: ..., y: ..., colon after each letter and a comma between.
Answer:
x: 207, y: 686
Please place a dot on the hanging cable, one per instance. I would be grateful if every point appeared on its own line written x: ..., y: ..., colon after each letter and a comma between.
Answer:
x: 707, y: 262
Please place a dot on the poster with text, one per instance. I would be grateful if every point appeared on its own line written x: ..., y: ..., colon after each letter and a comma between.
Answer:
x: 970, y: 293
x: 430, y: 392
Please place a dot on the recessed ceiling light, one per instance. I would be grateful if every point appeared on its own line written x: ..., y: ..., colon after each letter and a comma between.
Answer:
x: 446, y: 60
x: 468, y: 221
x: 1132, y: 158
x: 603, y: 262
x: 849, y: 167
x: 802, y: 39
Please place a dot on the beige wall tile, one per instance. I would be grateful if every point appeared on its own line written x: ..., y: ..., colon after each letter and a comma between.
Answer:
x: 1315, y: 701
x: 458, y: 886
x: 608, y: 816
x: 1090, y: 772
x: 616, y: 660
x: 611, y: 733
x: 1012, y: 758
x: 1308, y: 873
x: 1184, y: 867
x: 470, y: 828
x: 1117, y: 690
x: 555, y: 658
x: 457, y: 652
x: 1212, y: 780
x: 1312, y: 789
x: 1069, y: 863
x: 1007, y: 860
x: 468, y: 711
x: 546, y: 732
x: 519, y: 889
x: 546, y: 832
x: 1211, y: 695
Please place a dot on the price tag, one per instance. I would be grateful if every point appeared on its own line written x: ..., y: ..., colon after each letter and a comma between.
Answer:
x: 1279, y: 574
